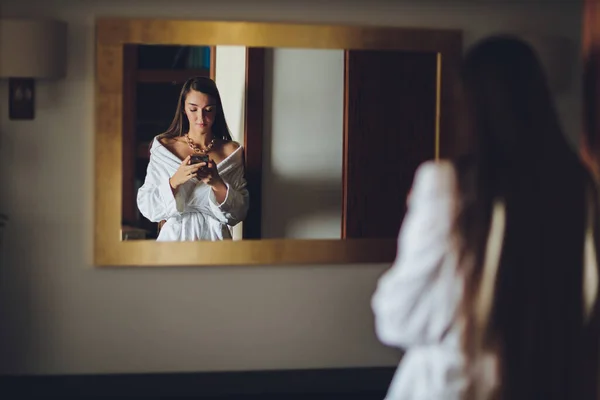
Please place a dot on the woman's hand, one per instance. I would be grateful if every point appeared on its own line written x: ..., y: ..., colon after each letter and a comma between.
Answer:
x: 209, y: 175
x: 184, y: 173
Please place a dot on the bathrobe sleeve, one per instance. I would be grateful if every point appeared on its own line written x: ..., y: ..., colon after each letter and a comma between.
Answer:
x: 415, y: 301
x: 234, y: 208
x: 155, y: 198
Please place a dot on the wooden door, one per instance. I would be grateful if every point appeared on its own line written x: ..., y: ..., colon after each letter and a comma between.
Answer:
x: 129, y: 153
x: 253, y: 136
x: 392, y: 104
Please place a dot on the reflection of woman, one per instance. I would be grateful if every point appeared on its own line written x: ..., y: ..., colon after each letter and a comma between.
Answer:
x: 198, y: 200
x: 487, y: 292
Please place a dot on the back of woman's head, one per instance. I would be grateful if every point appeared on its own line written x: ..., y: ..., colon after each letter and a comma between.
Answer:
x: 510, y: 109
x: 519, y: 155
x: 591, y: 105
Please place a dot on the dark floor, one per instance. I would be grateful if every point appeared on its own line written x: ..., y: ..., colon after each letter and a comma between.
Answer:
x: 287, y: 396
x: 282, y: 396
x: 324, y: 384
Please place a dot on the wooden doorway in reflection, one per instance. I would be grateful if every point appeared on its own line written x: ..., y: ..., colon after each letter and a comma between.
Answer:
x: 392, y: 124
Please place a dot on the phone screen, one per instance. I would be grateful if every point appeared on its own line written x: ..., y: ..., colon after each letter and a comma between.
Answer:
x: 198, y: 158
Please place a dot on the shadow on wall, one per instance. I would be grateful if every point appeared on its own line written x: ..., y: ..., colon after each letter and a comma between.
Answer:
x: 310, y: 208
x: 17, y: 297
x: 3, y: 223
x: 305, y: 203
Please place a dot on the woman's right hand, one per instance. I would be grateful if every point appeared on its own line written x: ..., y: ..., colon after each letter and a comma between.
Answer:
x: 184, y: 173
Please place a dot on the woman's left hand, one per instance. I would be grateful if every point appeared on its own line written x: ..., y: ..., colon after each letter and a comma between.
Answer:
x: 209, y: 174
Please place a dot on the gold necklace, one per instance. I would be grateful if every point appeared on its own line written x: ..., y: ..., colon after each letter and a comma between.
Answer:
x: 196, y: 149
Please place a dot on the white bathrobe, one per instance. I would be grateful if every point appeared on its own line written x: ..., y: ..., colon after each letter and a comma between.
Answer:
x: 418, y: 298
x: 194, y: 213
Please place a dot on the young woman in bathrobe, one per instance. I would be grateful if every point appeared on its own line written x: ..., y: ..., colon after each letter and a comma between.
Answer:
x: 493, y: 294
x: 195, y: 200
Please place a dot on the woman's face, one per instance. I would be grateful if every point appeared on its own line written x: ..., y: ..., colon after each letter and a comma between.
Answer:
x: 200, y: 110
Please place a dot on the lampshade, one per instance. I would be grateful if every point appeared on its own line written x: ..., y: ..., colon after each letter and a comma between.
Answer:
x: 33, y: 48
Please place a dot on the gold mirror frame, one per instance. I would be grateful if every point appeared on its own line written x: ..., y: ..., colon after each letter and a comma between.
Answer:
x: 113, y: 33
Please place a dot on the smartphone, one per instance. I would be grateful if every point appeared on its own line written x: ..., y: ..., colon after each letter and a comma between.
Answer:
x: 198, y: 158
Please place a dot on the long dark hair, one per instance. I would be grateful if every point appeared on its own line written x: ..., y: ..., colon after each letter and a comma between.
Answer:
x: 180, y: 125
x: 519, y: 154
x: 591, y: 103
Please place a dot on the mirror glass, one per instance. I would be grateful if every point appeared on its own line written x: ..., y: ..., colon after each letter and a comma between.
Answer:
x: 308, y: 104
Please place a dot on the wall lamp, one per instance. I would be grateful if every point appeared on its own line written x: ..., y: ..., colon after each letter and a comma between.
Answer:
x: 30, y: 49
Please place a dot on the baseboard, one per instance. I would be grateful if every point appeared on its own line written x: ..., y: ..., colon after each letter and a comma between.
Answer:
x: 352, y: 383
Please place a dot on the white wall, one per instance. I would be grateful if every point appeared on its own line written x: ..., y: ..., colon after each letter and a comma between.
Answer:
x: 230, y: 76
x: 61, y: 315
x: 303, y: 138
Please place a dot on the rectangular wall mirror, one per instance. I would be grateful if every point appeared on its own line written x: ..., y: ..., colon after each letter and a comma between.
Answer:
x: 332, y: 122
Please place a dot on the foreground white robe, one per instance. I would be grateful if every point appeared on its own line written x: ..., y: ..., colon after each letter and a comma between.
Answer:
x: 194, y: 213
x: 417, y: 300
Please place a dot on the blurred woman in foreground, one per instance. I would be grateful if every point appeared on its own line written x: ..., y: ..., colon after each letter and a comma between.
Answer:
x: 487, y: 292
